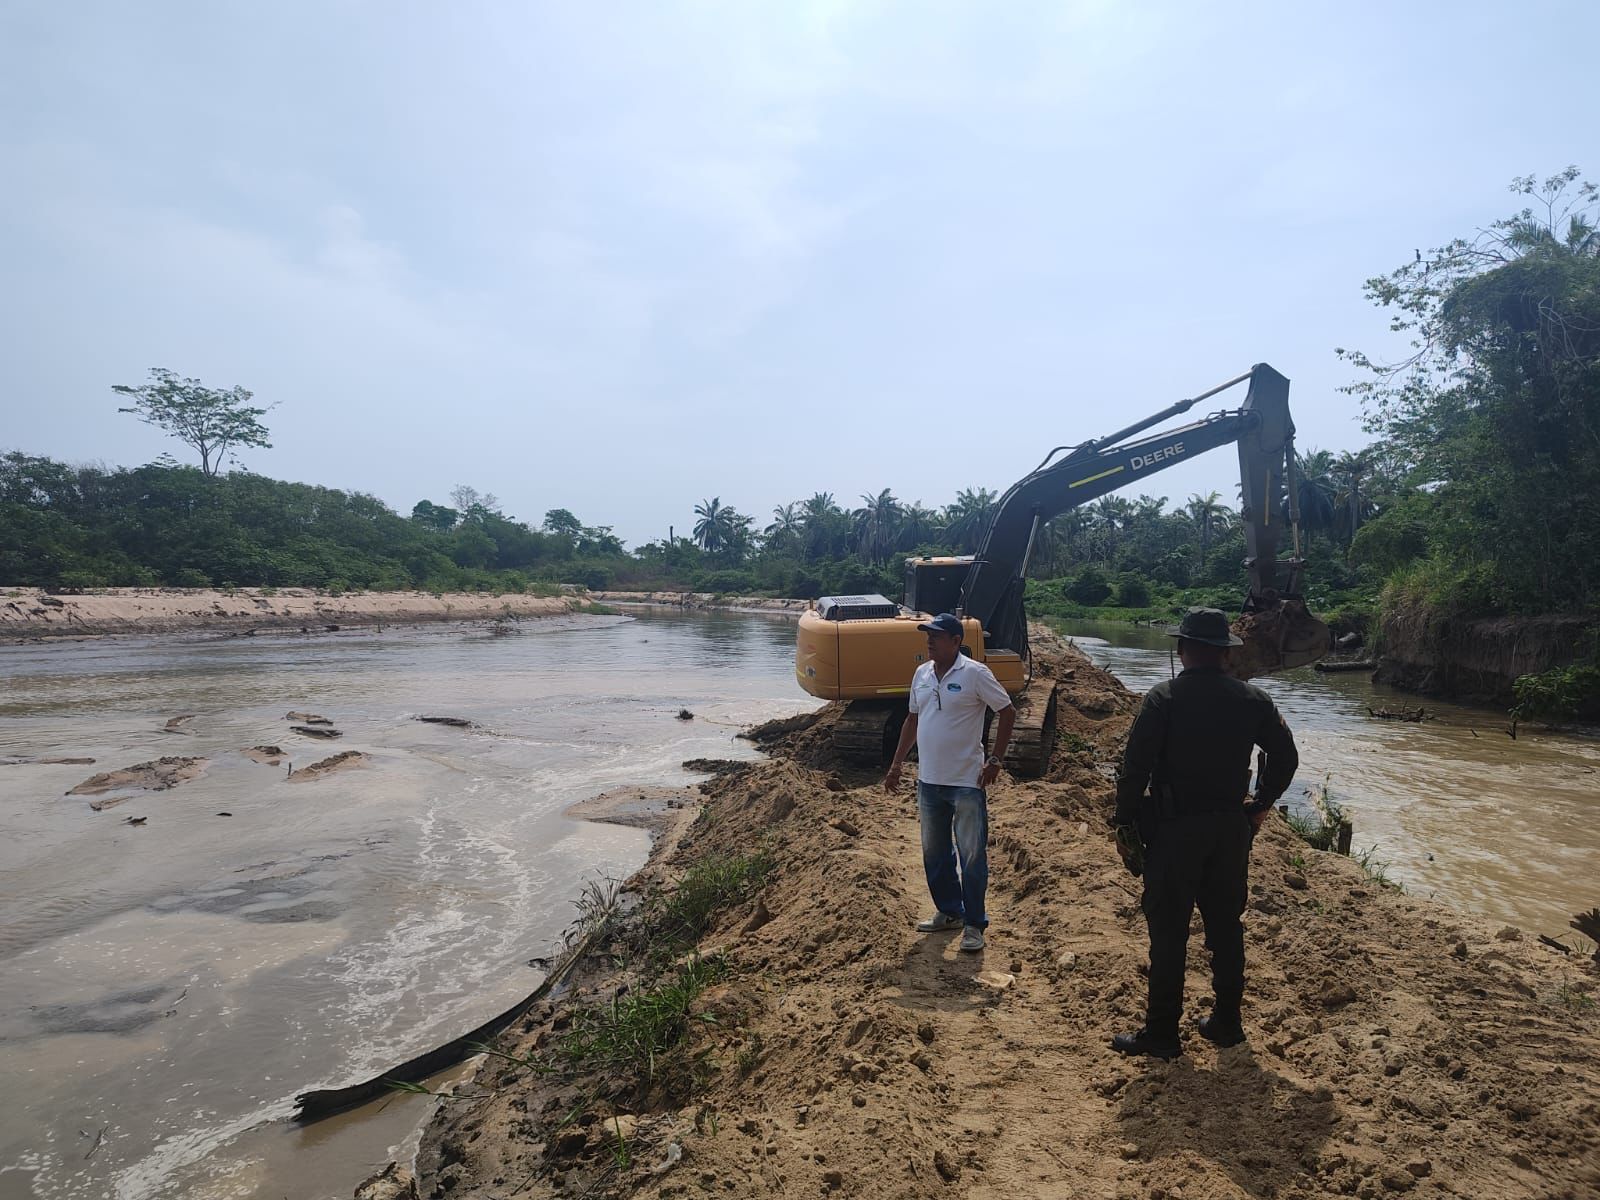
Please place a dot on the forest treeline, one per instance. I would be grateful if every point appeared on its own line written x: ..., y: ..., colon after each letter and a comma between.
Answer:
x: 1479, y: 494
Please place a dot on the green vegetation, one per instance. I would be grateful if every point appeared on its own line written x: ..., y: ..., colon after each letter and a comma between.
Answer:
x: 706, y: 889
x: 1560, y: 694
x: 1493, y: 418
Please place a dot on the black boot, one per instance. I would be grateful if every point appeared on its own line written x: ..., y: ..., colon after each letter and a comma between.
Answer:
x: 1222, y: 1029
x: 1143, y: 1042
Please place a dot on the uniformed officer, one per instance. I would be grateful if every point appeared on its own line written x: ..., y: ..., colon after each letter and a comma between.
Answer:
x: 1183, y: 808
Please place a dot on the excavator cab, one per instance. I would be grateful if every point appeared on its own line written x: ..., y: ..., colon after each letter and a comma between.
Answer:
x: 933, y: 584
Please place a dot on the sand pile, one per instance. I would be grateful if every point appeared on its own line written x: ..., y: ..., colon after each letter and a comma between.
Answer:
x: 1394, y: 1045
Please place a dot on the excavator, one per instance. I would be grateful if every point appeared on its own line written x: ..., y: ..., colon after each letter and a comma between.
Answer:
x: 863, y: 649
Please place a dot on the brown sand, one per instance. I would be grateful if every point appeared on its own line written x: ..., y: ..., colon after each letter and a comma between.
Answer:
x: 29, y: 613
x: 342, y: 761
x: 1395, y: 1046
x: 269, y: 755
x: 156, y: 776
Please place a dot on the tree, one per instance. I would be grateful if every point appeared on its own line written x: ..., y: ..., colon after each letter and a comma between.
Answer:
x: 1207, y: 512
x: 1315, y: 491
x: 1496, y: 409
x: 467, y: 498
x: 562, y: 523
x: 786, y: 527
x: 1350, y: 471
x: 211, y: 420
x: 875, y: 526
x: 966, y: 521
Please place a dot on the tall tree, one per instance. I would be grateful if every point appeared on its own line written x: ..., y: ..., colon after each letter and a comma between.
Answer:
x: 712, y: 529
x: 876, y: 520
x: 210, y: 420
x: 967, y: 518
x: 1207, y: 513
x: 1496, y: 410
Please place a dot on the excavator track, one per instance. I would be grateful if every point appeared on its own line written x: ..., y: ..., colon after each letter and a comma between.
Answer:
x: 866, y: 732
x: 1033, y: 736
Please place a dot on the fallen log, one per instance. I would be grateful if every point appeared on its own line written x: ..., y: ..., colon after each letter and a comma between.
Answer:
x: 325, y: 1102
x: 1361, y: 664
x: 457, y: 722
x: 1397, y: 714
x: 315, y: 731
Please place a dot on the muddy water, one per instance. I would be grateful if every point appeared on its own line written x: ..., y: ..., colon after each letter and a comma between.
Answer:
x: 167, y: 988
x: 1453, y: 807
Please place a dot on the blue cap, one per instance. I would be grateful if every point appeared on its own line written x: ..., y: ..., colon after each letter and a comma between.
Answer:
x: 943, y: 623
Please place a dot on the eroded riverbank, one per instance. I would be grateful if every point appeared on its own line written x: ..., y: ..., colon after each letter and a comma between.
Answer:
x: 1396, y: 1046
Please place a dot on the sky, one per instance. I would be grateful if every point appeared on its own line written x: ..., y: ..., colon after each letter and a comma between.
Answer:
x: 620, y: 259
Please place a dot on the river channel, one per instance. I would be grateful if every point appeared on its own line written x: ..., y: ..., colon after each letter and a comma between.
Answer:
x: 1452, y: 807
x: 167, y: 988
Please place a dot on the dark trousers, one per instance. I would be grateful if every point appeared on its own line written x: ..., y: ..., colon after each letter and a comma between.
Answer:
x: 1199, y: 859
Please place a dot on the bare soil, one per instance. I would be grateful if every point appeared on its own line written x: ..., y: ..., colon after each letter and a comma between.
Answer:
x: 343, y: 761
x: 155, y: 776
x: 1395, y: 1046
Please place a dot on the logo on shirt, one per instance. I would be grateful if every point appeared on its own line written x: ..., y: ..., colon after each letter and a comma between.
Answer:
x: 952, y: 687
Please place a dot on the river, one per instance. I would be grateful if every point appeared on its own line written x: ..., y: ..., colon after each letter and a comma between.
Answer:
x: 1452, y: 807
x: 167, y: 988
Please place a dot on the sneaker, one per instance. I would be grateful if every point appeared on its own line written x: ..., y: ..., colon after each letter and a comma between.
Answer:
x: 1143, y: 1043
x: 938, y: 923
x: 972, y: 938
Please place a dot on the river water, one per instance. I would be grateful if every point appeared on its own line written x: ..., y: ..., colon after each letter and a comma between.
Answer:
x: 167, y: 988
x: 1452, y: 807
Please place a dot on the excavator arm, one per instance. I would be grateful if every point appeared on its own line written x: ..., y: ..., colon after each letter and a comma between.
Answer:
x: 1282, y: 633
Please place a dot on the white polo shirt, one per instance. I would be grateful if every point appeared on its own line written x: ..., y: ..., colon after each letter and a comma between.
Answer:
x: 950, y: 720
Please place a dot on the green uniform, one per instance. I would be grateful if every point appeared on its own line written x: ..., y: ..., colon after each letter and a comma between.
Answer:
x: 1185, y: 782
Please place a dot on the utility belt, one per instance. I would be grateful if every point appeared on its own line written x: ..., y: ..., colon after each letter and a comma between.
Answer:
x: 1166, y: 805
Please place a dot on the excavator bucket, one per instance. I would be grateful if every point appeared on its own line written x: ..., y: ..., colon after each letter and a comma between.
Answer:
x: 1279, y: 638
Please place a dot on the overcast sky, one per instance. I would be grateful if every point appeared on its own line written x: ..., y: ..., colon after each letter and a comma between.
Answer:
x: 622, y: 258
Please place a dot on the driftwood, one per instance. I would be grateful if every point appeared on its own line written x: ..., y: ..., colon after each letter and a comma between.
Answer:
x: 458, y: 722
x: 1398, y: 714
x: 1588, y: 924
x: 325, y: 1102
x: 1359, y: 664
x: 313, y: 731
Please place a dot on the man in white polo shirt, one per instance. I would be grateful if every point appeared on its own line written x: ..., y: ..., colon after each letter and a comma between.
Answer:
x: 949, y: 696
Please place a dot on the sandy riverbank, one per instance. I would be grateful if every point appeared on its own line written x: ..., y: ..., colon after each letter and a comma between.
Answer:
x: 28, y: 614
x: 703, y: 600
x: 1396, y: 1046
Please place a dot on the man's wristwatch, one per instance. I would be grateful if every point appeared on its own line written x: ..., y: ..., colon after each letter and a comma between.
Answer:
x: 991, y: 761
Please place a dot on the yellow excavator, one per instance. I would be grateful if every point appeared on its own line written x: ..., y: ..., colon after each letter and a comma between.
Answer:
x: 863, y: 649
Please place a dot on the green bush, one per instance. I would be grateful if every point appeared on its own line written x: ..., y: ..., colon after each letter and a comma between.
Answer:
x: 1132, y: 591
x: 1088, y: 586
x: 1560, y: 694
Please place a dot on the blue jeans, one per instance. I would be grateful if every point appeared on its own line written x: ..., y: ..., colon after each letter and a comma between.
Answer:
x: 964, y: 812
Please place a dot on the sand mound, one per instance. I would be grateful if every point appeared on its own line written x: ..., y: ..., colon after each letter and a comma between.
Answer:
x: 155, y: 776
x: 1394, y: 1045
x: 270, y: 755
x: 342, y: 761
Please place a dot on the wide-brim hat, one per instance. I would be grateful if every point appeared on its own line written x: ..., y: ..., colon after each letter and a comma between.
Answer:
x: 1208, y: 626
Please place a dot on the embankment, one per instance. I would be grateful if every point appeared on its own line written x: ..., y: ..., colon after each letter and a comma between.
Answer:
x: 29, y: 613
x: 703, y: 600
x: 1395, y: 1046
x: 1475, y: 659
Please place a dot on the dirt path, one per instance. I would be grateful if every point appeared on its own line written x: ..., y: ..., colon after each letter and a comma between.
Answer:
x: 1395, y: 1046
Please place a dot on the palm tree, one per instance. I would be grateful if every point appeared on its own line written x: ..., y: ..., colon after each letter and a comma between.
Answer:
x: 918, y: 525
x: 1315, y: 491
x: 1350, y: 470
x: 1110, y: 515
x: 786, y: 526
x: 711, y: 530
x: 875, y: 526
x: 1206, y: 512
x: 966, y: 520
x: 820, y: 518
